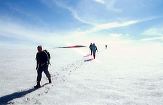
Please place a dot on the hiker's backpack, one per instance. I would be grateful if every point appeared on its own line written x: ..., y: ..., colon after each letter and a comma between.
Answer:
x: 48, y: 56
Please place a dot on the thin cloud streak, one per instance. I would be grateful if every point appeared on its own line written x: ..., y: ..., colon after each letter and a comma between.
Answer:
x: 100, y: 1
x: 74, y: 13
x: 17, y: 31
x: 107, y: 26
x: 110, y: 5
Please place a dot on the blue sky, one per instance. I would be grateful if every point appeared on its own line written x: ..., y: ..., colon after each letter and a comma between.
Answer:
x: 66, y: 21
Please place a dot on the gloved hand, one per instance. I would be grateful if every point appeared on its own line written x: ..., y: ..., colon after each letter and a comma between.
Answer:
x: 37, y: 67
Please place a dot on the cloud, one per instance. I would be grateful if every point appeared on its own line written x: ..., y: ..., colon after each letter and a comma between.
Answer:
x: 108, y: 26
x: 29, y: 34
x: 153, y: 32
x: 76, y: 16
x: 110, y: 5
x: 89, y: 12
x: 94, y: 12
x: 74, y: 13
x: 96, y: 26
x: 84, y: 12
x: 156, y: 38
x: 114, y: 25
x: 100, y: 1
x: 21, y: 32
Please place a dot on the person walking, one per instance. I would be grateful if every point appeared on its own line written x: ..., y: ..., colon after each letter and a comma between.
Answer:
x: 90, y: 47
x: 42, y: 59
x: 106, y: 46
x: 94, y: 49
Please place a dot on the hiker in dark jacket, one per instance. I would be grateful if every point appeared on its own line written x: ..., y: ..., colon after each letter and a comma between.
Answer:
x: 94, y: 49
x: 90, y: 47
x: 42, y: 58
x: 106, y: 46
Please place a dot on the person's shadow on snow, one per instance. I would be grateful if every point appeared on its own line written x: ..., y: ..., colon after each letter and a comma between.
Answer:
x: 4, y: 100
x: 88, y: 60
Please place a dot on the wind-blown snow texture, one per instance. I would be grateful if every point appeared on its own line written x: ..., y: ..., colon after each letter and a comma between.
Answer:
x: 119, y: 76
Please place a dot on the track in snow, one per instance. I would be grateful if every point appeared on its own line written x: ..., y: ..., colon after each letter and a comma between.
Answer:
x: 25, y: 98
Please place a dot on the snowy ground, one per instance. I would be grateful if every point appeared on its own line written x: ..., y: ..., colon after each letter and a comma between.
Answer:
x: 119, y: 76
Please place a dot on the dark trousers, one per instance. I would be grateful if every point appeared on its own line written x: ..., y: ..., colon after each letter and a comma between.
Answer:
x: 94, y: 54
x: 91, y: 52
x: 39, y: 73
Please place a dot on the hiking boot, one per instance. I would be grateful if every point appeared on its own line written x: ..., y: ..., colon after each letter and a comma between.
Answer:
x: 37, y: 86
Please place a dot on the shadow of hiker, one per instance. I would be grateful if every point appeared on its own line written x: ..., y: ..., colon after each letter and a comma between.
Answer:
x: 4, y: 100
x: 88, y: 60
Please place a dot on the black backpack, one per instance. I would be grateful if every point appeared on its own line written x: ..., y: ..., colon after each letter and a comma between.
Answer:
x: 48, y: 56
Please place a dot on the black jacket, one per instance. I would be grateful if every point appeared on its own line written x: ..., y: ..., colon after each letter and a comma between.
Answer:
x: 41, y: 58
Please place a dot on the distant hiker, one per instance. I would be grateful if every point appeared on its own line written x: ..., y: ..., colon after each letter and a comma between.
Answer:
x: 106, y: 46
x: 43, y: 61
x: 94, y: 49
x: 90, y: 47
